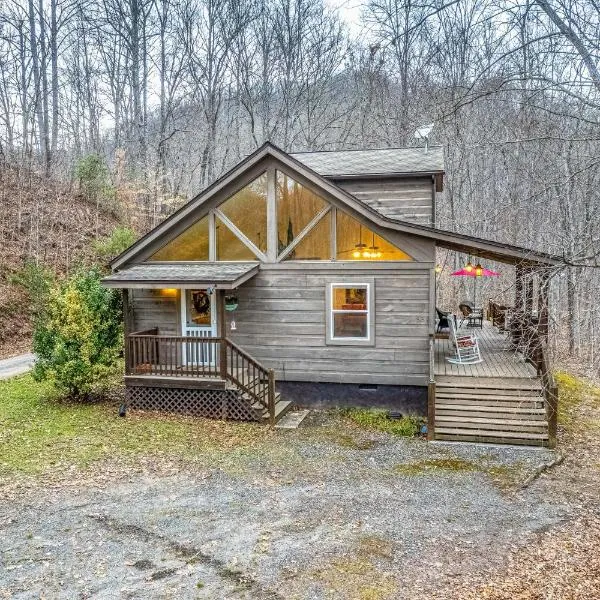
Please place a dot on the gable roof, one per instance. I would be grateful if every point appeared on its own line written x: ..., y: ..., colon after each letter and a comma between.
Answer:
x: 463, y: 243
x: 383, y: 162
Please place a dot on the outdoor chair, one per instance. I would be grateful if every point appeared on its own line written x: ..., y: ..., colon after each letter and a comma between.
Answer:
x: 466, y: 346
x: 443, y: 320
x: 474, y: 317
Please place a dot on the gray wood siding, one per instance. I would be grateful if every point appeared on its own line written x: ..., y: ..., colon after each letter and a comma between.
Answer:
x: 151, y: 308
x: 281, y: 321
x: 409, y: 199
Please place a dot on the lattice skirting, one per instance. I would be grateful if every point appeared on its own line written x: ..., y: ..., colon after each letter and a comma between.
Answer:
x: 214, y: 404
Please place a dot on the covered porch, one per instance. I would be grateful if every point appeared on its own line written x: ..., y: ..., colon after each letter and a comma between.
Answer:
x: 186, y: 363
x: 506, y: 392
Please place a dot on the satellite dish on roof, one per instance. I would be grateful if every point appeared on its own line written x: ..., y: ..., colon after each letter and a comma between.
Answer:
x: 423, y: 134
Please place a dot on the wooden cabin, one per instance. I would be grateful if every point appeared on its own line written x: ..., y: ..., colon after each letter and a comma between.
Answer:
x: 309, y: 279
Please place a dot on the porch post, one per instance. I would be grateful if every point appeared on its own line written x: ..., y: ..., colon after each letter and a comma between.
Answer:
x: 517, y: 320
x: 126, y: 329
x: 544, y: 284
x: 221, y: 326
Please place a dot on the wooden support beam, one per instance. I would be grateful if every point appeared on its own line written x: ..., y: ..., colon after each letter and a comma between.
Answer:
x: 127, y: 328
x: 544, y: 284
x: 221, y: 328
x: 529, y: 292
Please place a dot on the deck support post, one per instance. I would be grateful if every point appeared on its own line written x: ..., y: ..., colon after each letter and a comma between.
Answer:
x: 431, y: 411
x: 431, y: 390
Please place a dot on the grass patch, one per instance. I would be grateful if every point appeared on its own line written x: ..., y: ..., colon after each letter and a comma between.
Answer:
x: 380, y: 420
x: 573, y: 393
x: 456, y: 465
x: 349, y: 441
x: 38, y: 432
x: 355, y: 578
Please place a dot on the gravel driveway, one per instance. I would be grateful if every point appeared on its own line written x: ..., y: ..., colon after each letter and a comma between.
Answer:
x: 362, y: 515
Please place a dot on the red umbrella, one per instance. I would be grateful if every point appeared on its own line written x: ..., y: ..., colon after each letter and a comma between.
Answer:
x: 476, y: 273
x: 472, y: 272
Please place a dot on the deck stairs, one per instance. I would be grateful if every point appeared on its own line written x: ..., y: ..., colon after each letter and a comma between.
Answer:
x: 259, y: 385
x: 490, y: 410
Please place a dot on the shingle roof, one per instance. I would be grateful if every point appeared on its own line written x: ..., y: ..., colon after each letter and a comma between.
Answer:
x: 220, y: 274
x: 388, y: 161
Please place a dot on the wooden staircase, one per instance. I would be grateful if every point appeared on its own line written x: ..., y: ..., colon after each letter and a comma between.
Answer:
x: 259, y: 387
x: 490, y: 410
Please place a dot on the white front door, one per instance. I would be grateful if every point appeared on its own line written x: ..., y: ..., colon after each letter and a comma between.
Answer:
x: 198, y: 319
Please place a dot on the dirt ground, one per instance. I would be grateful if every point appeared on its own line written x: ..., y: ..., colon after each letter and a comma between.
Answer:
x: 327, y: 511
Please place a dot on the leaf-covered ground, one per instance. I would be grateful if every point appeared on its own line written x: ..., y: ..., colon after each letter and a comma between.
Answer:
x: 153, y: 506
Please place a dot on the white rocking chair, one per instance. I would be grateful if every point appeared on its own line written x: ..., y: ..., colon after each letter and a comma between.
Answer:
x: 467, y: 347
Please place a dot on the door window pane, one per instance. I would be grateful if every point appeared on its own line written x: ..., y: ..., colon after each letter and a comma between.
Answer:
x: 357, y: 242
x: 198, y: 308
x: 192, y: 244
x: 296, y: 207
x: 247, y: 210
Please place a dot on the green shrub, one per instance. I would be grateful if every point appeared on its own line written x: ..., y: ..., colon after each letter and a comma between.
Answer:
x: 78, y: 338
x: 94, y: 180
x: 408, y: 426
x: 112, y: 245
x: 37, y: 280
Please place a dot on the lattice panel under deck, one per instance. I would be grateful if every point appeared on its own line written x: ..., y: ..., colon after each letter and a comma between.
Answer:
x: 214, y: 404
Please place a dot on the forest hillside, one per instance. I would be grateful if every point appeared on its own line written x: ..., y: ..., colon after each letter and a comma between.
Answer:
x: 44, y: 224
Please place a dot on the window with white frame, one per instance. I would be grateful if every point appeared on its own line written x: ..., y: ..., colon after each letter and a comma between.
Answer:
x: 350, y: 313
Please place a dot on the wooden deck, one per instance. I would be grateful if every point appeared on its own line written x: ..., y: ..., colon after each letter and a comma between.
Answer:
x: 499, y: 360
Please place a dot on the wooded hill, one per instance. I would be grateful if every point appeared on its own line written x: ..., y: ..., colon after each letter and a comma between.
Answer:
x: 45, y: 223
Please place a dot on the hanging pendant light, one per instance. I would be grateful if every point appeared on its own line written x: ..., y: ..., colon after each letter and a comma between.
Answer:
x: 373, y: 250
x: 469, y: 267
x: 360, y: 249
x: 478, y: 270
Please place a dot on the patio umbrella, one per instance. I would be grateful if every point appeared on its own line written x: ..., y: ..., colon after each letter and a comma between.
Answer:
x: 476, y: 273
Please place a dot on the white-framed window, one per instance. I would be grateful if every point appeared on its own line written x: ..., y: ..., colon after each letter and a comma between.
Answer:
x: 350, y: 315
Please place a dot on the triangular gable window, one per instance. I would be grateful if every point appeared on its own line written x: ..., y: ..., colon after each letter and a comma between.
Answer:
x: 297, y: 206
x: 247, y: 210
x: 357, y: 242
x: 228, y: 245
x: 192, y: 244
x: 316, y: 244
x: 302, y: 221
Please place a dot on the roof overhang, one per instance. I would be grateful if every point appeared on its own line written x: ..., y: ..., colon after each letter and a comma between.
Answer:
x: 217, y: 275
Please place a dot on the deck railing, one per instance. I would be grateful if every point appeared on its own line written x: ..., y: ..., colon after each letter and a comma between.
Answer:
x: 536, y: 352
x: 151, y: 354
x: 527, y: 337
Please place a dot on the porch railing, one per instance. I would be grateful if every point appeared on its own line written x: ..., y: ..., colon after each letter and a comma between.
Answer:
x: 536, y: 352
x: 151, y: 354
x: 528, y: 337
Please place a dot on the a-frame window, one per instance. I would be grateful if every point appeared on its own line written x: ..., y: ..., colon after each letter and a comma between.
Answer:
x: 296, y: 207
x: 247, y: 211
x: 316, y: 244
x: 276, y: 217
x: 354, y: 241
x: 192, y: 244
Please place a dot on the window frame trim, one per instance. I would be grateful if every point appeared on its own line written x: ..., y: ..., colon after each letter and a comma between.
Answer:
x: 364, y: 282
